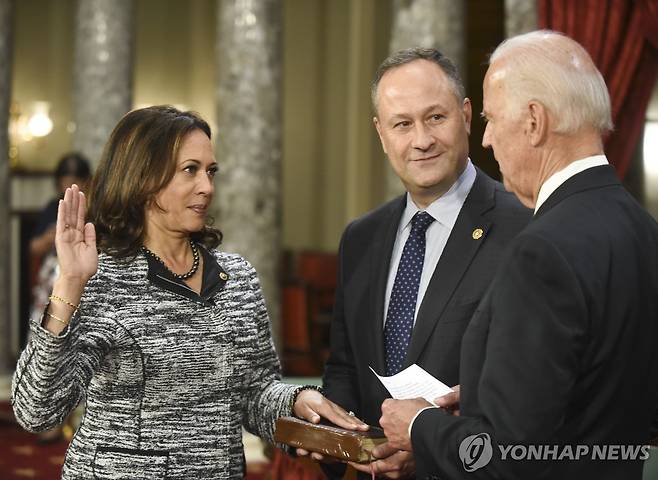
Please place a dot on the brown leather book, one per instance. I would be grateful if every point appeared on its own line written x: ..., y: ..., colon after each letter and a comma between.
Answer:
x: 329, y: 440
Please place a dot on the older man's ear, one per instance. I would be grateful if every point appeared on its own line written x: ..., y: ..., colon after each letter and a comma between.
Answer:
x: 537, y: 123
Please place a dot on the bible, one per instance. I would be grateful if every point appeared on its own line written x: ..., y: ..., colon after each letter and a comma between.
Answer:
x: 329, y: 440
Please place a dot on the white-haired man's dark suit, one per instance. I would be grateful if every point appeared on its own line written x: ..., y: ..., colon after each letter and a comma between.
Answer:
x: 563, y: 349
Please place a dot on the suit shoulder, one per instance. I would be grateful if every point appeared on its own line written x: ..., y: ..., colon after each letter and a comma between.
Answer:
x: 374, y: 218
x: 505, y: 204
x: 597, y: 214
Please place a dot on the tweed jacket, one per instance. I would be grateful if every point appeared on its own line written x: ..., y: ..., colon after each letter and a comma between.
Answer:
x: 168, y: 380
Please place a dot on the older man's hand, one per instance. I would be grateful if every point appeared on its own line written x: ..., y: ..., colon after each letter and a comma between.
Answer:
x: 450, y: 401
x: 390, y: 463
x: 395, y: 420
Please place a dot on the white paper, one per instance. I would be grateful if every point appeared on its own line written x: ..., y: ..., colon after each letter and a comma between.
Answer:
x: 414, y: 382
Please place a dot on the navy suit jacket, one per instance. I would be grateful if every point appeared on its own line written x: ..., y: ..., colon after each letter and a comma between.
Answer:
x: 563, y: 349
x: 459, y: 282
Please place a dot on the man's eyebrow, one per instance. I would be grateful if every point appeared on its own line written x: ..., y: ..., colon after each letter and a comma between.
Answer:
x: 425, y: 111
x: 398, y: 117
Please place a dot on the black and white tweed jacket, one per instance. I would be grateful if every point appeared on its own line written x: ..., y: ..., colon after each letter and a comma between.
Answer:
x: 168, y: 380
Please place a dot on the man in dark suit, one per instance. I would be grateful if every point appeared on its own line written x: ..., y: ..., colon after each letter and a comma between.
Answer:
x: 380, y: 321
x: 559, y: 365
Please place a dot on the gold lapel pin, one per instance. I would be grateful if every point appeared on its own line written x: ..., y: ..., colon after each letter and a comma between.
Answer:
x: 223, y: 276
x: 477, y: 234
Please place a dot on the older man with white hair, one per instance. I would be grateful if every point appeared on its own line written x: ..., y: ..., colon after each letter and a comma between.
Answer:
x: 559, y: 365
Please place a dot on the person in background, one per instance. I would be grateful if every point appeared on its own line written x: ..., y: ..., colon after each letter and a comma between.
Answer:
x: 165, y: 336
x: 72, y: 168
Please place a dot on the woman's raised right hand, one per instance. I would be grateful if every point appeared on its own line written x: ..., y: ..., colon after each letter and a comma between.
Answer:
x: 75, y: 240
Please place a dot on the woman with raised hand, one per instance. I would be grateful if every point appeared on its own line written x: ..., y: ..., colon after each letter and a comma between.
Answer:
x: 165, y: 337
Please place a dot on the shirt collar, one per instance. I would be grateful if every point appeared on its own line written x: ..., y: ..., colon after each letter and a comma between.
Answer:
x: 558, y: 178
x: 213, y: 280
x: 444, y: 209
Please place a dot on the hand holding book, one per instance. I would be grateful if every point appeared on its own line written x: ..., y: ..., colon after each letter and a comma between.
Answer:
x: 310, y: 404
x: 389, y: 462
x: 329, y: 440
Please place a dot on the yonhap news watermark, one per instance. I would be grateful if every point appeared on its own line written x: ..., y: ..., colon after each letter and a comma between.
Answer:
x: 476, y: 451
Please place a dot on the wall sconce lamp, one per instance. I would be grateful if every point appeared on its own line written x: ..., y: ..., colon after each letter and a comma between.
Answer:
x: 27, y: 124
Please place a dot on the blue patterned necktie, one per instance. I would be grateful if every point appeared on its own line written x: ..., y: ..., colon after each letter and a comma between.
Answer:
x: 402, y: 304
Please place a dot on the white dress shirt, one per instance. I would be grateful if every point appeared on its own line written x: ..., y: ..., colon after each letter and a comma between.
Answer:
x: 558, y: 178
x: 445, y: 210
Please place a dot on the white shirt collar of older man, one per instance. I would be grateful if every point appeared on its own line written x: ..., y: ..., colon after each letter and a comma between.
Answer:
x: 444, y: 209
x: 558, y: 178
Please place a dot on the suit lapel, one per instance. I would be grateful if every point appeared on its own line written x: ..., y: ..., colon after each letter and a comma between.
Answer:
x: 380, y: 259
x: 455, y: 259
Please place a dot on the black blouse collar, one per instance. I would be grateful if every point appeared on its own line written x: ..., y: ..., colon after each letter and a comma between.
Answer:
x: 214, y: 279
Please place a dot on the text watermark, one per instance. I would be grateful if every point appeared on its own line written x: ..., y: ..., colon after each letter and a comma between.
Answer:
x: 476, y: 451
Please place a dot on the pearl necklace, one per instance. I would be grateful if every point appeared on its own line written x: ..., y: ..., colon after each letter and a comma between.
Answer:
x: 184, y: 276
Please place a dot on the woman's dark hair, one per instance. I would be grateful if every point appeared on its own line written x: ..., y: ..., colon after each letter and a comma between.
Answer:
x: 74, y: 164
x: 138, y: 161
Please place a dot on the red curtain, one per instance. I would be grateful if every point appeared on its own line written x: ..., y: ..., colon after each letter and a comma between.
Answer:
x: 622, y: 38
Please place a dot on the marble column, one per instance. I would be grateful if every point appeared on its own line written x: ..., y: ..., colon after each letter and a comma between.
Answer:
x: 520, y: 17
x: 6, y: 7
x: 428, y: 23
x: 248, y: 138
x: 103, y: 70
